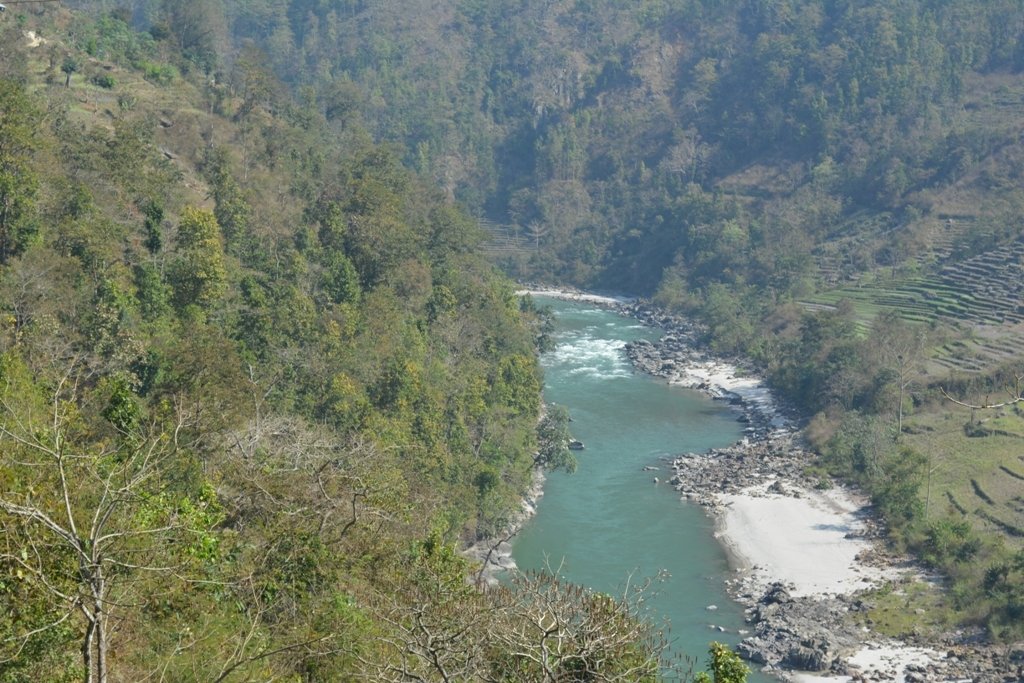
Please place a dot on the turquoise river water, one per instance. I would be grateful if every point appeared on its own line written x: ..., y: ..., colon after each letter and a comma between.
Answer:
x: 609, y: 520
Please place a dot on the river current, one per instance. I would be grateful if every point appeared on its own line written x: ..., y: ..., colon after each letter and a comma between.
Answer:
x: 609, y: 521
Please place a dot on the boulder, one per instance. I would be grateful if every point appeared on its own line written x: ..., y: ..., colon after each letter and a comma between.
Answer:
x: 810, y: 655
x: 776, y: 595
x: 757, y: 651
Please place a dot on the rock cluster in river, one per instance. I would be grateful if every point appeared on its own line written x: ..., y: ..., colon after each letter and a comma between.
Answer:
x: 777, y: 463
x: 680, y: 350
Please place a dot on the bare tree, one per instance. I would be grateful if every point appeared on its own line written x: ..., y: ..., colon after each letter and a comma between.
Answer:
x: 551, y: 630
x: 437, y: 624
x: 89, y: 516
x: 285, y: 466
x: 481, y: 578
x: 312, y: 499
x: 537, y: 231
x: 537, y: 628
x: 899, y: 347
x: 1014, y: 391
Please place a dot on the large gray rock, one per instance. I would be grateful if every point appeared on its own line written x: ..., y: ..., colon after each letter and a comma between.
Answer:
x: 776, y: 595
x: 810, y: 655
x: 757, y: 651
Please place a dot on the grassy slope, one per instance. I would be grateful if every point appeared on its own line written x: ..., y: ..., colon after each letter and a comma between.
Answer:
x: 91, y: 106
x: 968, y: 469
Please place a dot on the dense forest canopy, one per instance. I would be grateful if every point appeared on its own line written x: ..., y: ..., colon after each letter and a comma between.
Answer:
x: 617, y: 139
x: 614, y: 133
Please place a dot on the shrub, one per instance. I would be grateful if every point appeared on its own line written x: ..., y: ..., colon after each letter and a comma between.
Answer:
x: 104, y: 81
x: 161, y: 74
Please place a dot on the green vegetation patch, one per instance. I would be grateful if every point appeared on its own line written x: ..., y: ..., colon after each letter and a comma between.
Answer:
x: 961, y: 465
x: 912, y: 609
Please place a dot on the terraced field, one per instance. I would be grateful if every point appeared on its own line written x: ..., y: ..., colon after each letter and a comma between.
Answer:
x: 504, y: 240
x: 981, y: 296
x: 990, y: 285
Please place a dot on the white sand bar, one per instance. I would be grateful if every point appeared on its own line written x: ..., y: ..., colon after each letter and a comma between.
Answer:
x: 800, y: 541
x: 725, y: 377
x: 575, y: 296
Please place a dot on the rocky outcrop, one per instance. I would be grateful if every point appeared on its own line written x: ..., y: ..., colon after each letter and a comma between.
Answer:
x: 776, y: 463
x: 494, y: 555
x: 820, y: 635
x: 805, y: 634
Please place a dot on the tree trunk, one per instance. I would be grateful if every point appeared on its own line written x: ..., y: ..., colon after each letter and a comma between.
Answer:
x: 87, y: 663
x: 928, y: 494
x: 101, y: 635
x: 899, y: 429
x: 5, y: 208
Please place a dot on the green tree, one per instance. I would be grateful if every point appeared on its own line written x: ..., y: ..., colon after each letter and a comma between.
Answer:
x: 19, y: 123
x: 897, y: 491
x: 198, y: 274
x: 199, y: 29
x: 553, y: 441
x: 154, y: 214
x: 340, y: 279
x: 725, y: 666
x: 231, y: 209
x: 69, y: 66
x: 518, y: 385
x: 1003, y: 586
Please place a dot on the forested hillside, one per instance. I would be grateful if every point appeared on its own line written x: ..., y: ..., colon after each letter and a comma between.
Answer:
x: 745, y: 161
x: 257, y: 384
x: 615, y: 136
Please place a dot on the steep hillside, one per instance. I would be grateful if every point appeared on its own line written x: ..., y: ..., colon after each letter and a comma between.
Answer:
x: 582, y: 123
x: 257, y: 383
x: 791, y: 151
x: 791, y: 146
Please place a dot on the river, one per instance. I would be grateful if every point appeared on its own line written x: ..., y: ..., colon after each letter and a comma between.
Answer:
x: 608, y: 520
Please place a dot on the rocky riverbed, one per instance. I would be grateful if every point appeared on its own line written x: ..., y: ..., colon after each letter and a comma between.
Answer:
x: 820, y: 633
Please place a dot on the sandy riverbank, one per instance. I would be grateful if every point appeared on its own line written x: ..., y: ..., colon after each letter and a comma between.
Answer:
x: 808, y: 540
x: 810, y: 543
